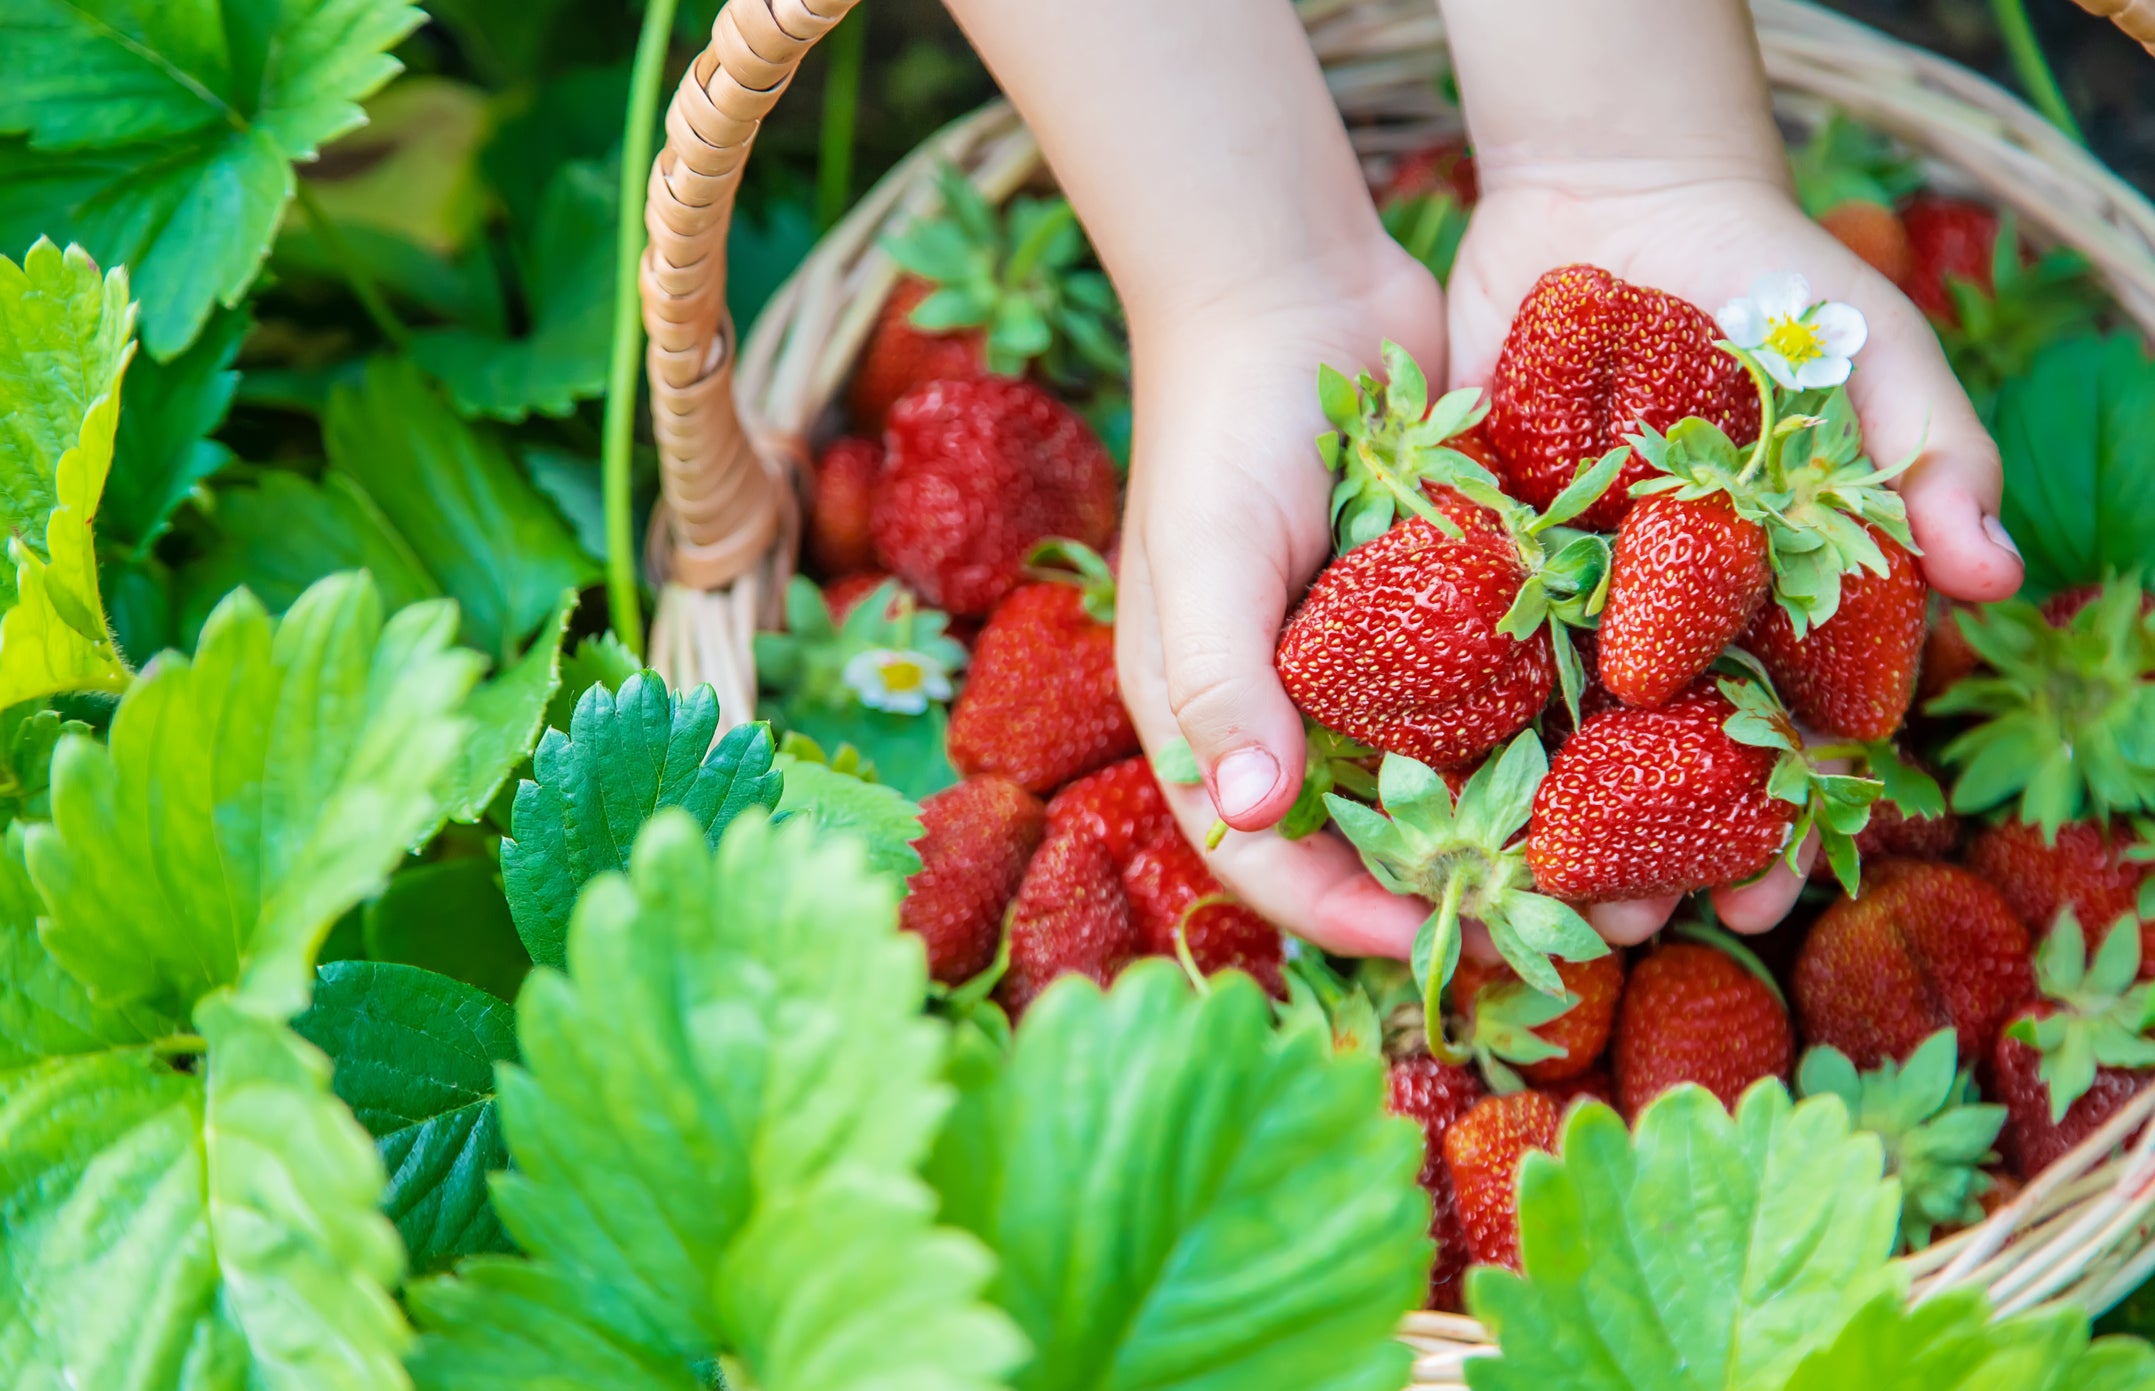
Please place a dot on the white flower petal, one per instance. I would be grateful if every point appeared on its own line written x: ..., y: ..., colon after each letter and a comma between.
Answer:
x: 1782, y: 295
x: 1776, y: 367
x: 934, y: 682
x: 911, y: 702
x: 1740, y: 320
x: 1821, y: 372
x: 1841, y: 329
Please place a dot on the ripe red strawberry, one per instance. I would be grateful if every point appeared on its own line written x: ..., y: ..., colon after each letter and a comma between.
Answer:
x: 1484, y: 1150
x: 1642, y: 803
x: 1594, y: 1084
x: 1120, y: 806
x: 1445, y: 167
x: 977, y: 838
x: 1172, y: 891
x: 979, y: 473
x: 1926, y: 946
x: 1855, y: 673
x: 1694, y: 1013
x: 1434, y: 1096
x: 1588, y: 360
x: 2031, y: 1141
x: 844, y: 594
x: 1948, y: 238
x: 900, y: 357
x: 2085, y: 870
x: 1396, y: 644
x: 1041, y: 705
x: 1071, y: 915
x: 1874, y: 232
x: 1493, y: 998
x: 839, y: 539
x: 1685, y: 578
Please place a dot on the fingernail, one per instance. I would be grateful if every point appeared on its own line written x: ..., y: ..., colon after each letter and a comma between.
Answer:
x: 1242, y: 780
x: 2000, y: 537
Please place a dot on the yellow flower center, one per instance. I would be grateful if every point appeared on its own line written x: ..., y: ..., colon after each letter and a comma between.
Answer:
x: 901, y: 675
x: 1796, y: 341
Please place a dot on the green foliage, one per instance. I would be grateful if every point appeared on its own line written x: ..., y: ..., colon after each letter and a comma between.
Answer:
x: 162, y: 136
x: 1710, y: 1250
x: 1997, y: 335
x: 414, y: 1055
x: 2103, y: 1015
x: 1950, y: 1344
x: 1181, y: 1197
x: 450, y: 917
x: 28, y: 735
x: 1845, y: 162
x: 591, y: 791
x: 841, y: 799
x: 715, y: 1129
x: 163, y: 452
x: 507, y: 715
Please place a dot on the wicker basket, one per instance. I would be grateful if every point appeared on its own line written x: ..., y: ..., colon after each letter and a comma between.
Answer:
x: 735, y: 428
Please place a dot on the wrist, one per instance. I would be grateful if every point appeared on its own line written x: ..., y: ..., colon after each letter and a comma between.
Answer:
x: 1326, y: 277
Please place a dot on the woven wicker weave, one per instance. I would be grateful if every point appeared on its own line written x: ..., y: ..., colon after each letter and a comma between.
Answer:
x: 2135, y: 17
x: 734, y: 430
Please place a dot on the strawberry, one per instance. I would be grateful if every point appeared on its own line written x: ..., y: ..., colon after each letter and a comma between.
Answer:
x: 1445, y: 167
x: 1873, y: 232
x: 1926, y: 946
x: 1948, y: 239
x: 1071, y: 916
x: 1517, y: 1034
x: 1172, y: 894
x: 980, y: 472
x: 1434, y: 1096
x: 1700, y: 1013
x: 839, y: 540
x: 1120, y: 806
x: 1947, y: 657
x: 1893, y: 834
x: 1588, y: 360
x: 1042, y: 705
x: 1855, y: 673
x: 976, y: 839
x: 844, y: 594
x: 1483, y: 1151
x: 1848, y: 178
x: 901, y: 357
x: 1645, y: 803
x: 2087, y: 869
x: 1594, y: 1084
x: 1685, y: 576
x: 2069, y: 1061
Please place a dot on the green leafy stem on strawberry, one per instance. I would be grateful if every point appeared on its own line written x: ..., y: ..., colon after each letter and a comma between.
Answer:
x: 1837, y: 806
x: 2102, y: 1015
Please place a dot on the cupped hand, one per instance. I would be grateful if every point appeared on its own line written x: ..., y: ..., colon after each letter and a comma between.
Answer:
x: 1226, y: 524
x: 1706, y: 240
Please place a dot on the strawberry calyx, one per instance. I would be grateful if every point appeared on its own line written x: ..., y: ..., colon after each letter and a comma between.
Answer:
x: 2103, y: 1011
x: 1059, y: 560
x: 889, y: 649
x: 1330, y: 761
x: 1501, y: 1020
x: 1466, y: 858
x: 2067, y: 712
x: 1928, y: 1115
x: 1995, y: 333
x: 1019, y: 276
x: 1835, y: 805
x: 1322, y: 1000
x: 1844, y: 161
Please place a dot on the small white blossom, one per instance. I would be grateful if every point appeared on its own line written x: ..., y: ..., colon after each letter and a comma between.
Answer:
x: 901, y: 682
x: 1804, y: 344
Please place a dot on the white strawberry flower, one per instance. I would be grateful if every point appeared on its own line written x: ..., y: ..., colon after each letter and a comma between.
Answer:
x: 1803, y: 343
x: 900, y: 682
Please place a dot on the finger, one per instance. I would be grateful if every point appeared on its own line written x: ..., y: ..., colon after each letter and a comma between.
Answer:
x: 1910, y: 403
x: 1756, y: 907
x: 1629, y: 923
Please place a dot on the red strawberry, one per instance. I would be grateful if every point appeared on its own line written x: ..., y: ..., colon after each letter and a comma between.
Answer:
x: 1396, y: 643
x: 1445, y: 167
x: 980, y: 472
x: 1947, y: 656
x: 1171, y: 891
x: 1594, y: 1084
x: 1875, y: 233
x: 1041, y: 705
x: 2084, y: 870
x: 1071, y: 915
x: 1642, y: 803
x: 1926, y: 946
x: 1588, y: 360
x: 1948, y: 239
x: 1693, y: 1013
x: 1582, y: 1031
x: 839, y: 540
x: 843, y: 595
x: 900, y: 357
x: 1434, y: 1096
x: 1855, y: 673
x: 1685, y: 577
x: 2031, y: 1141
x: 977, y: 837
x: 1484, y: 1150
x: 1120, y: 806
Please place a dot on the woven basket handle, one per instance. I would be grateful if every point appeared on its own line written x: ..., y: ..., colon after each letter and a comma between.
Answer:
x: 724, y: 504
x: 2135, y: 17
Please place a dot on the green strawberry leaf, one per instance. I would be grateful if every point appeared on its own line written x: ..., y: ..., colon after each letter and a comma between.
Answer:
x: 452, y: 918
x: 163, y: 453
x: 1710, y: 1250
x: 1162, y: 1174
x: 604, y: 660
x: 28, y: 736
x: 592, y: 790
x: 163, y: 136
x: 2104, y: 1013
x: 1429, y: 227
x: 44, y: 1011
x: 453, y: 492
x: 841, y: 801
x: 764, y: 990
x: 414, y: 1055
x: 1949, y: 1343
x: 1903, y: 783
x: 569, y: 288
x: 507, y: 715
x: 248, y: 797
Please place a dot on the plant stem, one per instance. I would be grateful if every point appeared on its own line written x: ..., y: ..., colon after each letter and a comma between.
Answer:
x: 1768, y: 413
x: 841, y: 116
x: 2033, y: 69
x: 361, y: 280
x: 624, y: 600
